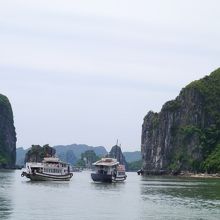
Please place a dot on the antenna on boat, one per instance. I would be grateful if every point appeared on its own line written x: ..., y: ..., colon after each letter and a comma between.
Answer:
x: 117, y: 142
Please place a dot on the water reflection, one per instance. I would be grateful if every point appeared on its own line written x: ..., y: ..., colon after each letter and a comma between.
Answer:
x: 5, y: 208
x: 6, y: 183
x: 107, y: 186
x: 196, y: 193
x: 47, y: 184
x: 138, y: 198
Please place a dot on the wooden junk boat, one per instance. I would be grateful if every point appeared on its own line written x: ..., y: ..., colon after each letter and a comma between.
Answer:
x: 108, y: 170
x: 50, y: 169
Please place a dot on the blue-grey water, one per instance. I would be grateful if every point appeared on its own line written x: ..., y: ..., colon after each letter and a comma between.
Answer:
x: 138, y: 198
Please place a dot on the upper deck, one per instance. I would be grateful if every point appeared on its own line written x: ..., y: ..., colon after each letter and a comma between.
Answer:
x: 107, y: 162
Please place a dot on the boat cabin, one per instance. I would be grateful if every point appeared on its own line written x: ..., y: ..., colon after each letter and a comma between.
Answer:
x: 108, y: 170
x: 50, y: 165
x: 106, y: 166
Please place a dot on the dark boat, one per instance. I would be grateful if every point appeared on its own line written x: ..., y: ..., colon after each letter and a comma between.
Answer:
x: 108, y: 170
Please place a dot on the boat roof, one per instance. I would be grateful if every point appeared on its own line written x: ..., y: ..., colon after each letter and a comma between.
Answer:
x: 54, y: 160
x: 34, y: 164
x: 51, y: 159
x: 109, y: 162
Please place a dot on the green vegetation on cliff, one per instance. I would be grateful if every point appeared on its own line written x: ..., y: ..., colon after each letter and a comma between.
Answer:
x: 37, y: 153
x: 208, y: 134
x: 6, y: 106
x: 187, y: 133
x: 209, y: 87
x: 212, y: 162
x: 7, y: 134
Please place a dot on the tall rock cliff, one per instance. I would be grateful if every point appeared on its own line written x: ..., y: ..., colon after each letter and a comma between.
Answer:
x: 117, y: 154
x: 7, y: 134
x: 185, y: 135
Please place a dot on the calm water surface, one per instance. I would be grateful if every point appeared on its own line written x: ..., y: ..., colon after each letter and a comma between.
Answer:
x: 139, y: 198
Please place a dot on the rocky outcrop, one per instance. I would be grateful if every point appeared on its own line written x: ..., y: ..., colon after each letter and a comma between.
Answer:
x: 117, y: 154
x: 186, y: 131
x: 7, y: 134
x: 37, y: 153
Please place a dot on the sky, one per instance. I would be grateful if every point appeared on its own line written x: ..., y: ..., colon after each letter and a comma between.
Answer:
x: 87, y: 72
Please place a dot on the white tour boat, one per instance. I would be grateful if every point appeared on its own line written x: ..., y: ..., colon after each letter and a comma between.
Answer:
x: 108, y: 170
x: 51, y: 168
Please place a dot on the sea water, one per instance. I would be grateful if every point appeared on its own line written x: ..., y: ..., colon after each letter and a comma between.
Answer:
x: 138, y: 198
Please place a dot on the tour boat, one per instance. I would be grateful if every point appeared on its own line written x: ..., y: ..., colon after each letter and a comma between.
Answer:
x: 108, y: 170
x: 51, y: 168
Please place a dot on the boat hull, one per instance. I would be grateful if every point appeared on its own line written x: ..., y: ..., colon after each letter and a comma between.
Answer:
x: 101, y: 177
x: 107, y: 178
x: 47, y: 177
x: 119, y: 179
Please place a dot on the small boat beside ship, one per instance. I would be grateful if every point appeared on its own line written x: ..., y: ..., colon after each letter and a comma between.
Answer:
x: 108, y: 170
x: 50, y: 169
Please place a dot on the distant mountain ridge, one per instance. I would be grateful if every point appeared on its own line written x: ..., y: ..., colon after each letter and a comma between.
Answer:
x: 132, y: 156
x: 69, y: 153
x: 75, y: 150
x: 78, y: 149
x: 72, y: 153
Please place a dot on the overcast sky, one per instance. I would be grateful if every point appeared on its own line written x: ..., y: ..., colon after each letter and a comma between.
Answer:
x: 89, y: 71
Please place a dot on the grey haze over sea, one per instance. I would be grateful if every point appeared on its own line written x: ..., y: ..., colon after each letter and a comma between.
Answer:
x: 89, y: 71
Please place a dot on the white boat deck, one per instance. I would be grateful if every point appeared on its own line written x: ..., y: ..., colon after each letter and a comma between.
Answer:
x: 109, y: 162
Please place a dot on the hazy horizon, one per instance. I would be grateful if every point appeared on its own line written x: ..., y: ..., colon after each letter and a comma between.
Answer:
x: 87, y: 72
